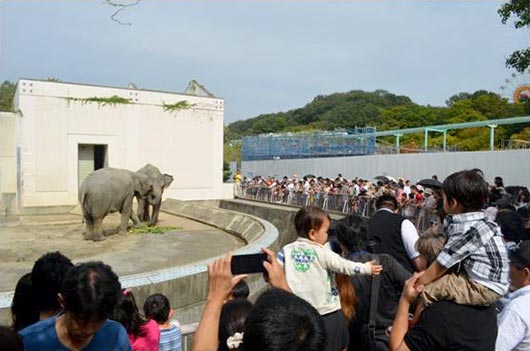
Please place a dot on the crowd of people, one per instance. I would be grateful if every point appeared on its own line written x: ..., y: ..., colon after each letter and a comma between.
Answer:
x: 420, y: 202
x: 62, y: 306
x: 460, y: 282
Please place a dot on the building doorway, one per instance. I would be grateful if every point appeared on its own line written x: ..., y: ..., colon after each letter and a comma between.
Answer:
x: 91, y: 157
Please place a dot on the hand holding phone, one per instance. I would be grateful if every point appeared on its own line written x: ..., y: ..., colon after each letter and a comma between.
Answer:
x: 247, y: 264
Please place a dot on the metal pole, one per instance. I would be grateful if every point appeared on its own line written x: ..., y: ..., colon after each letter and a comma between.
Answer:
x: 397, y: 143
x: 425, y: 140
x: 445, y: 140
x: 492, y: 137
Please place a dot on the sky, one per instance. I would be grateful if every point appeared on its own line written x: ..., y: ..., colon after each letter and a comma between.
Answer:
x: 264, y: 56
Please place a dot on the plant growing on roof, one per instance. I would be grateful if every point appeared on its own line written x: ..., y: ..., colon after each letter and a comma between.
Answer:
x: 112, y: 100
x: 181, y: 105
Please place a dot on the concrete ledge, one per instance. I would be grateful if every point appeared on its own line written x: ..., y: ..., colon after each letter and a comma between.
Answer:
x: 186, y: 286
x: 42, y: 210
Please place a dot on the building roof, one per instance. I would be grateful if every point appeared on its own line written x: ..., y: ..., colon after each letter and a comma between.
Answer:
x: 199, y: 89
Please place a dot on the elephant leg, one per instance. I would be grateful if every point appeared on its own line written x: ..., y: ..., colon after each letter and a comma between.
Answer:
x: 143, y: 210
x: 154, y: 217
x: 98, y: 230
x: 89, y: 231
x: 135, y: 219
x: 147, y: 212
x: 126, y: 213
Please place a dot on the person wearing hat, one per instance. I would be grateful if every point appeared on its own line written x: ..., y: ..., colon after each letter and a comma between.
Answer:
x: 514, y: 320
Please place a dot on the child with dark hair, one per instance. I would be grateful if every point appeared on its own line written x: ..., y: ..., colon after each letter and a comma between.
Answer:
x: 47, y: 276
x: 157, y: 308
x: 240, y: 291
x: 474, y: 250
x: 282, y: 321
x: 143, y: 334
x: 232, y: 323
x: 88, y: 294
x: 23, y: 308
x: 309, y: 265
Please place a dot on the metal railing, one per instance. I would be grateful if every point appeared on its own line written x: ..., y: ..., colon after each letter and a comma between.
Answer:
x: 362, y: 205
x: 340, y: 202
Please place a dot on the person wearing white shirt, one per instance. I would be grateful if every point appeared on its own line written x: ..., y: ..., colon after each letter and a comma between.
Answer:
x: 514, y: 320
x: 394, y: 235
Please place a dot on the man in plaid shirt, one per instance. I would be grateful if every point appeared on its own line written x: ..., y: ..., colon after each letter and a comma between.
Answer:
x: 474, y: 256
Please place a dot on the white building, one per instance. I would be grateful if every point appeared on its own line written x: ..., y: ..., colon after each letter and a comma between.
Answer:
x: 62, y: 131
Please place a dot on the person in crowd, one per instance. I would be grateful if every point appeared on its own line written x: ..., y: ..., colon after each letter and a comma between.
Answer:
x: 47, y: 276
x: 429, y: 245
x: 353, y: 244
x: 497, y: 191
x: 514, y: 320
x: 309, y: 265
x: 278, y: 321
x: 143, y: 334
x: 10, y: 340
x: 524, y: 212
x: 445, y: 325
x: 409, y: 209
x: 24, y: 311
x: 511, y: 224
x: 240, y: 291
x: 232, y: 324
x: 157, y: 308
x: 474, y: 244
x: 522, y: 199
x: 283, y: 321
x: 393, y: 234
x: 87, y: 296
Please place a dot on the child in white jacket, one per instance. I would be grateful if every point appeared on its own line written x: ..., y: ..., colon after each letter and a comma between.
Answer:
x: 309, y: 265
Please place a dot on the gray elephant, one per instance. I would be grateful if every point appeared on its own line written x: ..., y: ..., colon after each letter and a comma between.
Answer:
x: 160, y: 182
x: 109, y: 190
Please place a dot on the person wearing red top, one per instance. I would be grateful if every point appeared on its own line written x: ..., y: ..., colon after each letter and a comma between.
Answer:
x: 143, y: 334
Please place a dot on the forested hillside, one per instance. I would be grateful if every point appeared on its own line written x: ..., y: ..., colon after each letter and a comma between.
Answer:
x: 386, y: 111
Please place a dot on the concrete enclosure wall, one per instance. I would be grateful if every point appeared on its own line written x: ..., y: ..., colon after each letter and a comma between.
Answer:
x: 56, y: 117
x: 8, y: 161
x: 512, y: 165
x: 186, y: 286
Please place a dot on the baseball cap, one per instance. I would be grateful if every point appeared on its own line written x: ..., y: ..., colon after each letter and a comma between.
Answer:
x: 520, y: 254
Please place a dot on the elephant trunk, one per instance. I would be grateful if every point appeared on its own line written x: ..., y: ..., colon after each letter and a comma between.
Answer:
x: 154, y: 215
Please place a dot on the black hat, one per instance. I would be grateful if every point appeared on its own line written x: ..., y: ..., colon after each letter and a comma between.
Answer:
x: 503, y: 203
x: 520, y: 254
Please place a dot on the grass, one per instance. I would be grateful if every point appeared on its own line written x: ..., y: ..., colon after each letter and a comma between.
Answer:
x: 144, y: 229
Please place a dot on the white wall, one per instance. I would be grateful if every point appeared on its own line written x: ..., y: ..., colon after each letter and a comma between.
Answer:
x: 512, y: 165
x: 187, y: 144
x: 8, y: 152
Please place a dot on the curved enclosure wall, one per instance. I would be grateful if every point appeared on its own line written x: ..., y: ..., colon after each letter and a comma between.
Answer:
x: 186, y: 286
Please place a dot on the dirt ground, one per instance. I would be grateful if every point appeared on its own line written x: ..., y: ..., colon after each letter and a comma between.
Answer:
x: 24, y: 241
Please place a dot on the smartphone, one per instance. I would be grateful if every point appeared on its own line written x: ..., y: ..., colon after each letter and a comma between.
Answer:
x: 245, y: 264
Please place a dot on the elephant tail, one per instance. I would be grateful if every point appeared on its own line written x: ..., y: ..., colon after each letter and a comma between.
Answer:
x: 87, y: 217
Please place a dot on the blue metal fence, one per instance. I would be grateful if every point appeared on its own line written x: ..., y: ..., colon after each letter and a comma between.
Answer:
x: 357, y: 141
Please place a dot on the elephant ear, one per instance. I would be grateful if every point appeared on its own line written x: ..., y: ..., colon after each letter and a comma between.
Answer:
x: 168, y: 179
x: 142, y: 184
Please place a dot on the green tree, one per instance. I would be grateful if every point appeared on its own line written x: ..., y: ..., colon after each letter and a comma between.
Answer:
x: 7, y: 93
x: 520, y: 10
x: 226, y: 171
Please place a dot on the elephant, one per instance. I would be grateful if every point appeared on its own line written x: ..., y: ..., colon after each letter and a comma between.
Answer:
x: 109, y: 190
x: 160, y: 182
